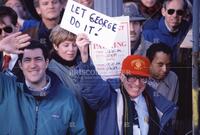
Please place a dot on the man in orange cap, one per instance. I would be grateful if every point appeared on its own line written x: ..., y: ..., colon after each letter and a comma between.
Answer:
x: 125, y: 106
x: 134, y: 75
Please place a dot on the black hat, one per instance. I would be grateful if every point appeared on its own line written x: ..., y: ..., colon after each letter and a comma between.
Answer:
x: 131, y: 9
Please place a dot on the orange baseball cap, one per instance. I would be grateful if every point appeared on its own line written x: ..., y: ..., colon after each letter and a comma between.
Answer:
x: 136, y: 65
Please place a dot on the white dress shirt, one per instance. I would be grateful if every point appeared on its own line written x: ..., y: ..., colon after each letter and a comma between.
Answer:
x: 143, y: 115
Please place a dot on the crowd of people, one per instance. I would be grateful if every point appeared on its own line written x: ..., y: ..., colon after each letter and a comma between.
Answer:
x: 43, y: 92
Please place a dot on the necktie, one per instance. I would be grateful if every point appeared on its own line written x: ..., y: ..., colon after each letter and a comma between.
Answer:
x: 135, y: 114
x: 6, y: 60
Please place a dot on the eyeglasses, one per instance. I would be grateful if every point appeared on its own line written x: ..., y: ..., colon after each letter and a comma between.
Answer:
x: 132, y: 78
x: 178, y: 12
x: 7, y: 29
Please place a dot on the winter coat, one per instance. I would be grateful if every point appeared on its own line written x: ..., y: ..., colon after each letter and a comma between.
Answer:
x: 58, y: 113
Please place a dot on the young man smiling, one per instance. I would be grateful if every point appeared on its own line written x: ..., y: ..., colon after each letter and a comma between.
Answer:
x: 41, y: 104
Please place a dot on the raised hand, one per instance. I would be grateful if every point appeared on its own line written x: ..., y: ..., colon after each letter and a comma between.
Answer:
x: 83, y: 42
x: 13, y: 42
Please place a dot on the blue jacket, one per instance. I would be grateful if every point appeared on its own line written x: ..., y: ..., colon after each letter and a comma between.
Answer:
x: 162, y: 34
x: 21, y: 114
x: 102, y: 97
x: 67, y: 75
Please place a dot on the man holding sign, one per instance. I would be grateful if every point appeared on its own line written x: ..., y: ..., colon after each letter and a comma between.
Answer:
x: 126, y: 105
x: 112, y: 99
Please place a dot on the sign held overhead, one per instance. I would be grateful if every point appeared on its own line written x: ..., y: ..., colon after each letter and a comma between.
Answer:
x: 100, y: 28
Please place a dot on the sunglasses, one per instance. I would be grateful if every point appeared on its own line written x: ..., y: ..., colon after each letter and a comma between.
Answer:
x: 178, y: 12
x: 7, y: 29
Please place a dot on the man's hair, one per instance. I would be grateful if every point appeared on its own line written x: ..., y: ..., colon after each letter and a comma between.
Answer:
x: 158, y: 47
x: 7, y: 11
x: 21, y: 1
x: 166, y: 2
x: 36, y: 3
x: 34, y: 44
x: 58, y: 35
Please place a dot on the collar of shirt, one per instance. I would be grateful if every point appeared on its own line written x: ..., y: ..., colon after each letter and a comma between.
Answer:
x: 136, y: 99
x: 44, y: 88
x: 154, y: 83
x: 14, y: 58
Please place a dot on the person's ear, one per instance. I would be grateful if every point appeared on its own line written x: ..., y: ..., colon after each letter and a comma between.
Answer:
x: 163, y: 11
x: 55, y: 47
x: 122, y: 77
x: 47, y: 63
x: 38, y: 10
x: 17, y: 27
x: 141, y: 28
x: 20, y: 64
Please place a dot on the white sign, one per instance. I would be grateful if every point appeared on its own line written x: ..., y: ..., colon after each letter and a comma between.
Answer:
x: 100, y: 28
x: 108, y: 61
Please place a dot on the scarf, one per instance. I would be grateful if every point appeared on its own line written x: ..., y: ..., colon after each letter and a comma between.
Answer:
x: 154, y: 124
x: 56, y: 57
